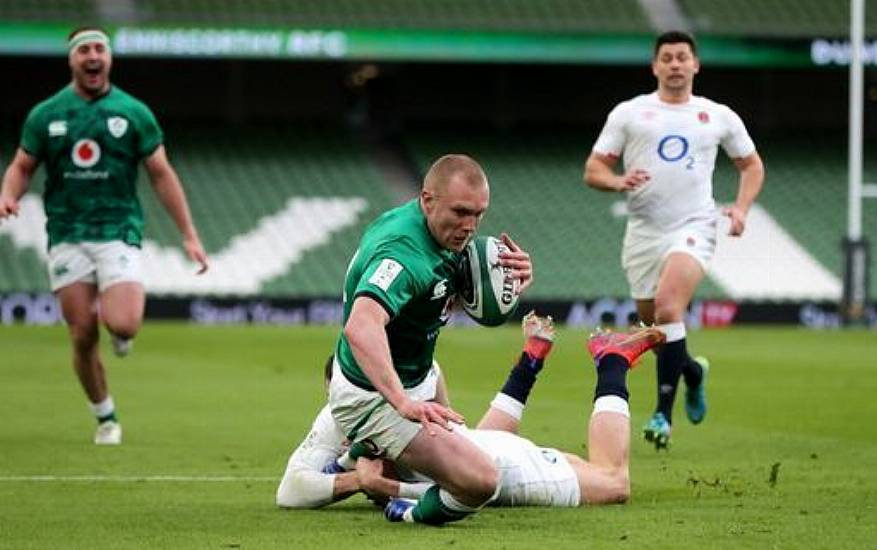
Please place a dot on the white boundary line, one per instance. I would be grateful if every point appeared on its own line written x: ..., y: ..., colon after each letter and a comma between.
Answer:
x: 134, y: 479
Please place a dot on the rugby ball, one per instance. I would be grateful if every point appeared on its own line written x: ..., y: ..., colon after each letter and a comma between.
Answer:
x: 485, y: 294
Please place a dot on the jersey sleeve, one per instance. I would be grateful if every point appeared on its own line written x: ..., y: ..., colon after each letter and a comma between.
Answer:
x: 34, y: 134
x: 390, y: 279
x: 612, y: 138
x: 736, y: 141
x: 150, y: 135
x: 304, y: 485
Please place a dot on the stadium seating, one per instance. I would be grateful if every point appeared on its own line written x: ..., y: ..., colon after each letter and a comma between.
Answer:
x: 806, y: 191
x: 538, y: 197
x: 235, y: 178
x: 575, y: 234
x: 775, y: 18
x: 545, y: 15
x: 55, y: 11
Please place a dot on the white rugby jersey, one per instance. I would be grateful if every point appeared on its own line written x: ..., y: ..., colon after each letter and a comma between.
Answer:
x: 303, y: 484
x: 677, y: 145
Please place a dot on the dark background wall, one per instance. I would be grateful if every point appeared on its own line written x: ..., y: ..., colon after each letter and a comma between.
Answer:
x: 468, y: 95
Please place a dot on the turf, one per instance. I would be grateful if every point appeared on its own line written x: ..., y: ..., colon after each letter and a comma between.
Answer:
x: 787, y: 456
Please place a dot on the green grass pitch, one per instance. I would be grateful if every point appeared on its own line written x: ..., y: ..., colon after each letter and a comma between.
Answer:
x: 786, y: 458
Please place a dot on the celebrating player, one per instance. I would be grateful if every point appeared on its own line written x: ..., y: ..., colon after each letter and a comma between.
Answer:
x: 91, y: 136
x: 668, y: 140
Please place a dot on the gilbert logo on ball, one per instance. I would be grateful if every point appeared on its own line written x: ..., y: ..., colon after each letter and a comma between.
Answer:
x: 86, y: 153
x: 487, y: 295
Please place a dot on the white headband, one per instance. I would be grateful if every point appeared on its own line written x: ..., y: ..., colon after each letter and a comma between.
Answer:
x: 88, y: 35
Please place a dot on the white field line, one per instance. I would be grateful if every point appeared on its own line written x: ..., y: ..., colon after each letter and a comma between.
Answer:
x: 134, y: 479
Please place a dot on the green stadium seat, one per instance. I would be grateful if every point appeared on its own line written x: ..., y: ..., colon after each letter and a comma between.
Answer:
x: 502, y: 15
x: 777, y: 18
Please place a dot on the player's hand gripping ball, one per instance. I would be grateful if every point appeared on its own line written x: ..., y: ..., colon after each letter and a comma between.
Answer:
x: 486, y: 293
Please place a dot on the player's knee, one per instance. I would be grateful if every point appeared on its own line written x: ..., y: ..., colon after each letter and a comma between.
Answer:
x: 619, y: 489
x: 124, y: 325
x: 484, y: 483
x: 622, y: 489
x: 609, y: 487
x: 667, y: 311
x: 83, y: 335
x: 124, y: 331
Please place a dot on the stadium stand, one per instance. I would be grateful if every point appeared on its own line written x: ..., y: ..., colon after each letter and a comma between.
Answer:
x: 775, y: 18
x: 508, y: 15
x: 574, y: 235
x: 235, y: 178
x: 538, y: 197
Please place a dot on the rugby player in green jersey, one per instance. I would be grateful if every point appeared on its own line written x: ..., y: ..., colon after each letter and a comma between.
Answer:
x: 91, y: 136
x: 397, y: 294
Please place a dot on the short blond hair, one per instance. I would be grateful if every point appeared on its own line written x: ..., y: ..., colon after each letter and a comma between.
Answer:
x: 453, y: 166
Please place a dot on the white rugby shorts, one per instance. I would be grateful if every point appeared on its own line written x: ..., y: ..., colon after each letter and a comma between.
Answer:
x: 529, y: 475
x: 100, y: 263
x: 364, y: 415
x: 645, y: 250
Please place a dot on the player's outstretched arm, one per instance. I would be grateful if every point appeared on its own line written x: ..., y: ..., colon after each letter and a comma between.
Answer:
x: 169, y: 190
x: 600, y: 174
x: 365, y: 332
x: 16, y: 180
x: 751, y: 180
x: 303, y: 487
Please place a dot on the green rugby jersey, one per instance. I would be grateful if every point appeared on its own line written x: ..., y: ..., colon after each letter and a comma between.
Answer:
x: 91, y: 150
x: 401, y: 266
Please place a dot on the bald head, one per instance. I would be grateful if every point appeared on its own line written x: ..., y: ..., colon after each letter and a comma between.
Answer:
x: 454, y: 198
x: 450, y: 167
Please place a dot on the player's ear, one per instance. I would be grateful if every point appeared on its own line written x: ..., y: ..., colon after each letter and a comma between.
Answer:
x: 427, y: 198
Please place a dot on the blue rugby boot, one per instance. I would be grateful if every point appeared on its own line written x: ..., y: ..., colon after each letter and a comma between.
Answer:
x: 695, y: 398
x: 399, y: 509
x: 657, y: 431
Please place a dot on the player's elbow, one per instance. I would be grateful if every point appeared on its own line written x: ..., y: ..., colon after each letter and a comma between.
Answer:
x: 593, y: 173
x: 355, y: 333
x: 294, y: 492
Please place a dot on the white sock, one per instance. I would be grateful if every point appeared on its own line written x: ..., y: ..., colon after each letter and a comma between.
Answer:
x: 346, y: 461
x: 674, y: 331
x: 453, y: 504
x: 104, y: 408
x: 413, y: 490
x: 611, y: 403
x: 508, y: 405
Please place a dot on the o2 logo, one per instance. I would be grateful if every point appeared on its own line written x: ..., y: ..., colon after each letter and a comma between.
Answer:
x: 674, y: 148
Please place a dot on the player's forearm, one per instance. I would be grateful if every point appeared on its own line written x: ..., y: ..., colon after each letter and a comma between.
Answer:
x: 751, y: 181
x: 368, y: 341
x: 382, y: 486
x: 16, y: 180
x: 599, y: 175
x: 346, y: 484
x: 307, y: 488
x: 170, y: 193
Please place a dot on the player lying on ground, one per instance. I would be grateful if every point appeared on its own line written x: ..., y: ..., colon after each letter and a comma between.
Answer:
x: 530, y: 475
x: 305, y: 484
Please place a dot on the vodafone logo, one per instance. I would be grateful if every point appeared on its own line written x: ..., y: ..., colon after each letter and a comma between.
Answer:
x: 86, y: 153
